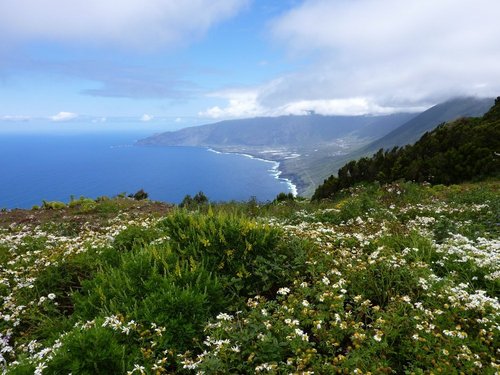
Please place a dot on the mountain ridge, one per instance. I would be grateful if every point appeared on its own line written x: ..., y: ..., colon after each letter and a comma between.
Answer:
x: 285, y: 131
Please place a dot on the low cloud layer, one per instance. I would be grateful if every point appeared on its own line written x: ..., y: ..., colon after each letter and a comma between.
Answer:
x: 15, y: 118
x: 125, y: 23
x: 146, y: 118
x: 64, y: 116
x: 245, y: 103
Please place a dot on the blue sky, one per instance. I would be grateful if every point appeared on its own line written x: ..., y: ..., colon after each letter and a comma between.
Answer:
x: 165, y: 64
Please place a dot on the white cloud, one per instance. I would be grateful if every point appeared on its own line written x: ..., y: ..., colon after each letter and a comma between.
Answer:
x: 244, y: 103
x: 99, y: 120
x: 390, y: 52
x: 342, y: 107
x: 15, y: 118
x: 241, y: 103
x: 64, y: 116
x: 145, y: 117
x: 123, y: 22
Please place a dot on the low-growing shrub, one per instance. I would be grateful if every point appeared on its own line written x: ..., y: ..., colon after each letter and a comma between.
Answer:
x: 83, y: 204
x: 54, y: 205
x: 134, y: 236
x: 94, y: 351
x: 237, y: 249
x: 283, y: 197
x: 139, y: 195
x: 154, y: 285
x: 199, y: 200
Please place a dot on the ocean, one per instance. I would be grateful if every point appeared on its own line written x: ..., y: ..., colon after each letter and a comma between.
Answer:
x: 55, y: 167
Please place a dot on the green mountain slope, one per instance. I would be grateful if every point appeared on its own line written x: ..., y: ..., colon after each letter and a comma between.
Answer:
x: 322, y: 167
x: 463, y: 150
x: 411, y: 131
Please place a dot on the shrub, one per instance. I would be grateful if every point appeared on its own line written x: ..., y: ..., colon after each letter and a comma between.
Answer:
x: 237, y: 249
x: 84, y: 204
x: 94, y: 351
x: 133, y: 236
x: 54, y: 205
x: 154, y: 285
x: 139, y: 195
x: 200, y: 199
x: 284, y: 197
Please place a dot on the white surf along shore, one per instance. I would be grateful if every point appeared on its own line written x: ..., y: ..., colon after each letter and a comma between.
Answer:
x: 273, y: 171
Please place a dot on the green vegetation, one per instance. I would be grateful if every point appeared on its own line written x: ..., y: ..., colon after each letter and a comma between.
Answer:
x: 199, y: 200
x: 284, y: 197
x: 399, y: 278
x: 139, y: 195
x: 54, y: 205
x: 464, y: 150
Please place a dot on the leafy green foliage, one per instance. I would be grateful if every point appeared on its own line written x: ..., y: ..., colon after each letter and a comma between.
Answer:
x: 200, y: 199
x: 134, y: 236
x: 283, y: 197
x: 94, y: 351
x: 237, y: 249
x: 139, y: 195
x: 54, y: 205
x: 153, y: 286
x: 84, y: 204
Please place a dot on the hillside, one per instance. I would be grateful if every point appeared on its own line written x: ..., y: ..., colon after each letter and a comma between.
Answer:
x: 401, y: 278
x: 462, y: 150
x: 321, y: 167
x: 448, y: 111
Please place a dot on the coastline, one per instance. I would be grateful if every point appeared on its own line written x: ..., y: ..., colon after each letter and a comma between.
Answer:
x: 274, y: 171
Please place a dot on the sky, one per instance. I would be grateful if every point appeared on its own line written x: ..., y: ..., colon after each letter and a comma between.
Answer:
x: 167, y: 64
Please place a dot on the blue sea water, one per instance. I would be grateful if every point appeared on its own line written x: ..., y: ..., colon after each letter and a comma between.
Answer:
x: 54, y: 167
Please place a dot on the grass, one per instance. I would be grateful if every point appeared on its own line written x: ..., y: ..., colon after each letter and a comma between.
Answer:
x: 401, y: 278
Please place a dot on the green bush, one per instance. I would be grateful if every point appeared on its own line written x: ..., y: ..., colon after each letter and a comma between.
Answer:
x: 54, y: 205
x: 200, y: 199
x: 94, y: 351
x: 83, y: 204
x: 139, y: 195
x: 239, y: 250
x: 153, y: 284
x: 283, y: 197
x: 55, y: 286
x: 134, y: 236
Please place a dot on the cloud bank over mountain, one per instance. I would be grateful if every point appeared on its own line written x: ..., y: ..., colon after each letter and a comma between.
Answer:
x: 377, y: 55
